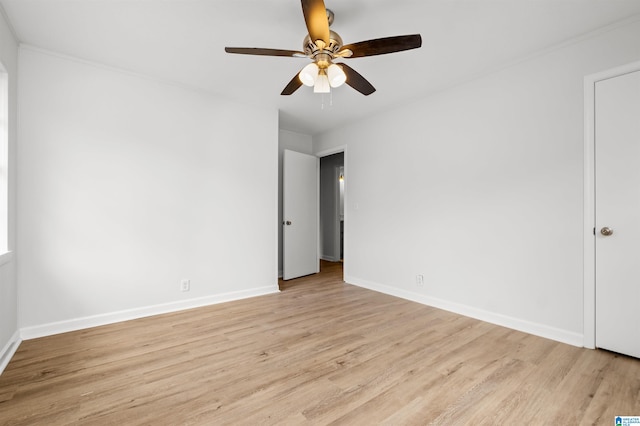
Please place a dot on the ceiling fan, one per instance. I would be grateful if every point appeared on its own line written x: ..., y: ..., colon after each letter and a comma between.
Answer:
x: 323, y: 46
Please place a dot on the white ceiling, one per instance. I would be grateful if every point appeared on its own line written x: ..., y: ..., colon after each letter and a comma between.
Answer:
x: 182, y: 41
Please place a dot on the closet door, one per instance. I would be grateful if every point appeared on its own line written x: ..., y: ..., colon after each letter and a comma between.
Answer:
x: 300, y: 215
x: 617, y: 213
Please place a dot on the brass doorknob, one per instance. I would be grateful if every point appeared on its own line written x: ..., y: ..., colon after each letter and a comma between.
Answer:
x: 606, y: 231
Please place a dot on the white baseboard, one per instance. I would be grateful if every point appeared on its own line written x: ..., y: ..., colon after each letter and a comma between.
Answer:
x: 559, y: 335
x: 33, y: 332
x: 9, y: 350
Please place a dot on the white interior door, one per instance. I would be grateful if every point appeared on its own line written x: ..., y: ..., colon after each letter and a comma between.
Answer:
x: 300, y: 215
x: 617, y: 215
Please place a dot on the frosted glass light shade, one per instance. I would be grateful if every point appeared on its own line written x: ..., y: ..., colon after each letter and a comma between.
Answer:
x: 309, y: 74
x: 337, y: 77
x: 322, y: 84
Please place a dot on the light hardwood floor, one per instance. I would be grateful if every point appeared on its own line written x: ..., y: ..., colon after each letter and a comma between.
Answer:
x: 320, y: 352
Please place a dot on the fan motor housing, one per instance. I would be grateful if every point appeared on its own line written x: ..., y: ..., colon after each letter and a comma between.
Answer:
x: 334, y: 46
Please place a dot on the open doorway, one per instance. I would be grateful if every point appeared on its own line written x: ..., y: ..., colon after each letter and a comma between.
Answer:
x: 332, y: 185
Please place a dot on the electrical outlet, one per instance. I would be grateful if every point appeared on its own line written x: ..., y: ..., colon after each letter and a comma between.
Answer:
x: 185, y: 285
x: 419, y: 280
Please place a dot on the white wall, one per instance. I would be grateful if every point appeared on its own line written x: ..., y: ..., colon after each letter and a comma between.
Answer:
x: 486, y: 195
x: 294, y: 142
x: 129, y: 185
x: 9, y: 337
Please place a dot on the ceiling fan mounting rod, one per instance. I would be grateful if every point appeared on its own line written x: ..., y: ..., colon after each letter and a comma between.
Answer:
x: 330, y: 16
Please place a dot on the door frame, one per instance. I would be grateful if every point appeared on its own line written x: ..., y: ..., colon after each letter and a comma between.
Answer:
x: 589, y: 242
x: 326, y: 153
x: 338, y: 240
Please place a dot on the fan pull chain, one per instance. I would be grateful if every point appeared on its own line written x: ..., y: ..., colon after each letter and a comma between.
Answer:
x: 330, y: 100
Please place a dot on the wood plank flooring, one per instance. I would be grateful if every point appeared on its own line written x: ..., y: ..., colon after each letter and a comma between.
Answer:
x: 320, y: 352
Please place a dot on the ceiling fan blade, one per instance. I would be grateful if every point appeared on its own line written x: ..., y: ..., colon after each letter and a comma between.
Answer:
x: 315, y: 16
x: 293, y: 85
x: 384, y: 45
x: 264, y: 52
x: 355, y: 80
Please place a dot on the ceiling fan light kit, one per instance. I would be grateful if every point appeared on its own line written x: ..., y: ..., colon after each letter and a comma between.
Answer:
x: 323, y: 46
x: 309, y: 74
x: 337, y: 77
x: 322, y: 83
